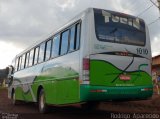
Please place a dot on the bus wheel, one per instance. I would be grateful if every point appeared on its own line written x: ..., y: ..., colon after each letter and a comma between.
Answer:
x: 43, y: 108
x: 14, y: 101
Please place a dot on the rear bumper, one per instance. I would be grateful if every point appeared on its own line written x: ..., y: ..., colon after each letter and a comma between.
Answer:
x: 101, y: 93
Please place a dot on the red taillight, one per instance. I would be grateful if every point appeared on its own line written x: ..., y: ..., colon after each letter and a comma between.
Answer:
x: 85, y: 64
x: 86, y: 67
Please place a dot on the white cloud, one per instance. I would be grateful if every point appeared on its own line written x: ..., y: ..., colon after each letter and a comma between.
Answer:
x: 155, y: 46
x: 63, y: 4
x: 7, y: 51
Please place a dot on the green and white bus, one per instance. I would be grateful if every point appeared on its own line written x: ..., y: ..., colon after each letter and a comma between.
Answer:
x: 99, y: 55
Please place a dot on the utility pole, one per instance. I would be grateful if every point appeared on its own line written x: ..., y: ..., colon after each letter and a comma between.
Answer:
x: 158, y: 4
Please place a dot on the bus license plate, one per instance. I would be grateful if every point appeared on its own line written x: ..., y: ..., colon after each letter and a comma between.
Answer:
x: 125, y: 77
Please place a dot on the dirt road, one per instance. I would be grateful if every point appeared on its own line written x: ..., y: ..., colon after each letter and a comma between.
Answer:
x: 104, y: 111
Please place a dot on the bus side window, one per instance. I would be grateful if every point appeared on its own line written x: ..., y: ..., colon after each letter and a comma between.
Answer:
x: 23, y: 61
x: 31, y: 57
x: 36, y: 53
x: 19, y: 63
x: 48, y: 50
x: 16, y: 67
x: 64, y: 42
x: 55, y: 46
x: 27, y: 60
x: 72, y: 39
x: 41, y: 52
x: 78, y: 31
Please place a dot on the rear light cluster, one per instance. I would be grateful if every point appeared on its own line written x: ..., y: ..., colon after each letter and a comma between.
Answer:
x: 86, y: 64
x: 86, y: 67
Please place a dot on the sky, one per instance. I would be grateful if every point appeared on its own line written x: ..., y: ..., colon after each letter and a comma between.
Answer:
x: 24, y: 22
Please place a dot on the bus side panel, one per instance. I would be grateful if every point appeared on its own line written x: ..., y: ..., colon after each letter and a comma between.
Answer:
x: 23, y: 84
x: 62, y: 91
x: 59, y: 91
x: 67, y: 91
x: 60, y: 80
x: 20, y: 95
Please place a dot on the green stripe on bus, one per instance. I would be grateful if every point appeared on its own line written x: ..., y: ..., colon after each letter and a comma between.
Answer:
x: 103, y: 73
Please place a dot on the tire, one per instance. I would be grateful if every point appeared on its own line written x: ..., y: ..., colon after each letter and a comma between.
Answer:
x: 14, y: 101
x: 43, y: 108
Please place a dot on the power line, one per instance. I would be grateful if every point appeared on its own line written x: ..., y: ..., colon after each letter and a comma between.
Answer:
x: 154, y: 21
x: 135, y: 4
x: 154, y: 4
x: 132, y: 7
x: 139, y: 4
x: 144, y: 10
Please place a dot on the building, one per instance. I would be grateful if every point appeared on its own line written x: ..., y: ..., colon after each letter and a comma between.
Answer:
x: 156, y: 73
x: 156, y: 65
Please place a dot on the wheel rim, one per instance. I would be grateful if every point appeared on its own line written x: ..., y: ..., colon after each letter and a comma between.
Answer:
x: 42, y: 101
x: 14, y: 97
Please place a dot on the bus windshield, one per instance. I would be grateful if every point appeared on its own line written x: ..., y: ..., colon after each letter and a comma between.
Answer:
x: 119, y: 28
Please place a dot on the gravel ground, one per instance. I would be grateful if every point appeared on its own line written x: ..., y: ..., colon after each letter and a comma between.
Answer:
x: 105, y: 110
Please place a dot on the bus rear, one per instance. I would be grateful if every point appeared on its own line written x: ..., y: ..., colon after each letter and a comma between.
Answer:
x: 118, y: 63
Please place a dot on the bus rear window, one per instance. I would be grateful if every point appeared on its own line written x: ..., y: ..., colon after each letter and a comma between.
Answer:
x: 119, y: 28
